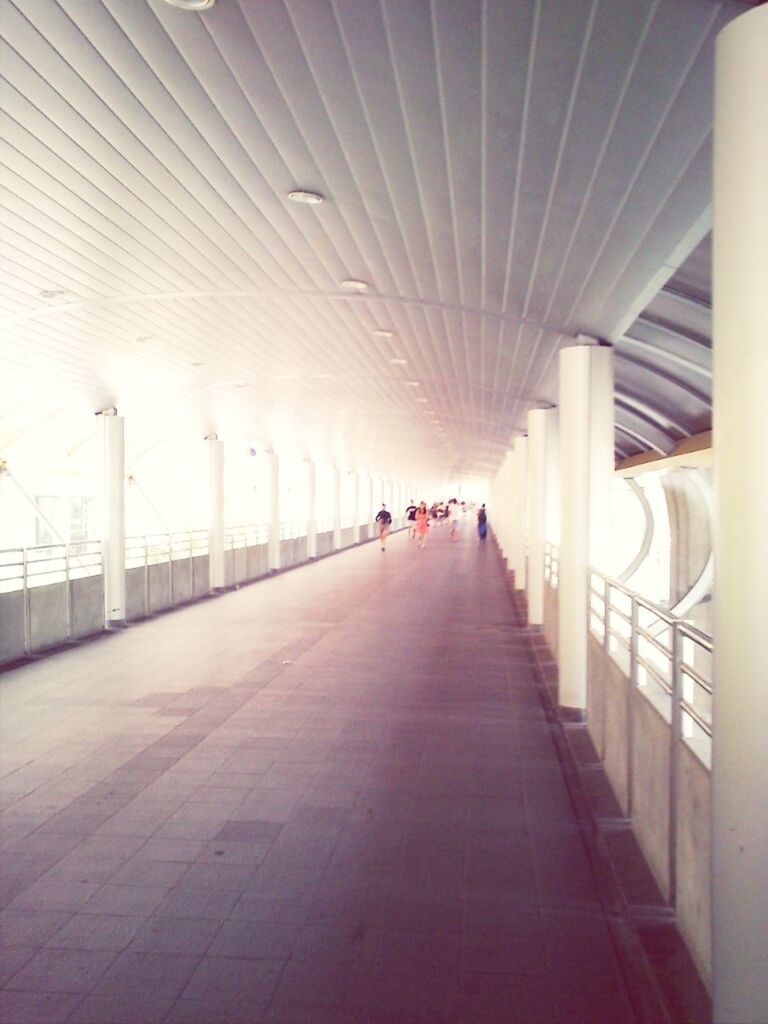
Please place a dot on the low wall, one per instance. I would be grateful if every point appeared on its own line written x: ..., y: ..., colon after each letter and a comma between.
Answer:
x: 633, y: 740
x: 149, y: 589
x: 12, y: 641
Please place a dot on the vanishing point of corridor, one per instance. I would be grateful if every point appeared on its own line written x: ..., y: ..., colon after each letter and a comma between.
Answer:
x: 332, y: 797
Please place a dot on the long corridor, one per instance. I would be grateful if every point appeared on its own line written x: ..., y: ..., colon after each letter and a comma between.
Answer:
x: 332, y: 797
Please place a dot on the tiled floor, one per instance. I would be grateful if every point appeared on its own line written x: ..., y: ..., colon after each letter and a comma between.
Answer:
x: 329, y: 798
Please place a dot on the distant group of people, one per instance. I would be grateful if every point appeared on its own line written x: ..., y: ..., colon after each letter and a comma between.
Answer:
x: 420, y: 517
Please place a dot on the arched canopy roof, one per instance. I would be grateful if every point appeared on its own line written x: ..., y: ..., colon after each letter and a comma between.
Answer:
x: 503, y: 176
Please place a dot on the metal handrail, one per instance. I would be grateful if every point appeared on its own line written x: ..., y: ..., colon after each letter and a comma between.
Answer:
x: 679, y: 668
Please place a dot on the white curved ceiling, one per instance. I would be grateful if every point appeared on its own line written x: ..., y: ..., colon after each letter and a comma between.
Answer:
x: 504, y: 175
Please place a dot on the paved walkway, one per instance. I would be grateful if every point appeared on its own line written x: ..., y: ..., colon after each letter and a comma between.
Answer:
x: 329, y: 798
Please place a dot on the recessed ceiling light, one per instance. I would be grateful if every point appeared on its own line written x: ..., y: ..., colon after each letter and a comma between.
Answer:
x: 383, y: 334
x: 192, y: 5
x: 352, y: 285
x: 142, y: 338
x: 399, y: 362
x: 299, y: 195
x: 412, y: 384
x: 54, y: 293
x: 197, y: 364
x: 422, y: 399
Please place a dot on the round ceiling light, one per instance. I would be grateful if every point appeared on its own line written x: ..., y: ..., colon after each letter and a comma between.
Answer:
x: 49, y: 294
x: 192, y: 5
x: 299, y: 195
x: 353, y: 285
x: 412, y: 384
x: 383, y: 334
x: 399, y: 362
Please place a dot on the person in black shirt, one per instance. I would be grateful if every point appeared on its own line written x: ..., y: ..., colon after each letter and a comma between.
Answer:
x: 410, y: 515
x: 383, y: 519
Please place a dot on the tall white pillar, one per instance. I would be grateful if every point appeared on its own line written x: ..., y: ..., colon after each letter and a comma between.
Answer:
x: 586, y: 471
x: 217, y: 579
x: 519, y: 501
x: 541, y: 431
x: 113, y: 438
x: 356, y: 506
x: 371, y: 501
x: 740, y: 363
x: 311, y: 509
x: 336, y: 508
x: 274, y: 511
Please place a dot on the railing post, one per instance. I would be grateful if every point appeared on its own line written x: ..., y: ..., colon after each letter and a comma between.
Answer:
x: 674, y: 759
x: 630, y: 716
x: 606, y: 614
x: 191, y: 569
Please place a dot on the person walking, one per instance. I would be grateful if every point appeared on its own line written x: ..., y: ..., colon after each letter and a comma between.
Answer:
x: 410, y: 515
x: 384, y: 519
x: 482, y: 522
x: 453, y: 519
x: 422, y: 523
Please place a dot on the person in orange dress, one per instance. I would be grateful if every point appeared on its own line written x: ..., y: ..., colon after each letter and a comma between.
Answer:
x: 422, y: 523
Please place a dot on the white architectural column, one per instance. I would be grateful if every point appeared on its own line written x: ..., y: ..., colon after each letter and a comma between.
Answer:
x: 336, y: 508
x: 217, y: 579
x: 371, y: 501
x: 356, y: 509
x: 740, y: 363
x: 519, y: 506
x: 113, y: 529
x: 311, y: 509
x: 586, y: 471
x: 542, y: 424
x: 274, y: 511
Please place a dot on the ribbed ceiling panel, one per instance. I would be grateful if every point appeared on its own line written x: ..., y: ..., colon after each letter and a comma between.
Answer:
x: 503, y: 175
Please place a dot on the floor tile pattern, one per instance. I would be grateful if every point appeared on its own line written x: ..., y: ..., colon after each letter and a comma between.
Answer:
x: 328, y: 798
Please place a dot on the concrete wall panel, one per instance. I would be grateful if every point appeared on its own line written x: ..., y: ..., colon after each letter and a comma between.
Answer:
x: 87, y: 606
x: 596, y: 694
x: 325, y: 543
x: 200, y: 576
x: 258, y: 561
x: 182, y: 580
x: 11, y: 626
x: 159, y: 587
x: 650, y: 765
x: 611, y: 710
x: 240, y: 565
x: 48, y: 615
x: 693, y: 860
x: 550, y: 618
x: 348, y: 536
x: 135, y: 594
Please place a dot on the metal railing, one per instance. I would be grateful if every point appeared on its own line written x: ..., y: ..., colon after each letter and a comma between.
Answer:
x: 293, y: 528
x: 156, y: 548
x: 27, y: 567
x: 667, y: 659
x: 250, y: 535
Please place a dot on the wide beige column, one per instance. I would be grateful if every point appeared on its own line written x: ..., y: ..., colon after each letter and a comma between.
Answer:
x: 216, y: 572
x: 113, y: 529
x: 740, y: 715
x: 542, y: 438
x: 273, y: 548
x: 311, y: 509
x: 586, y: 470
x: 519, y: 506
x: 336, y: 508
